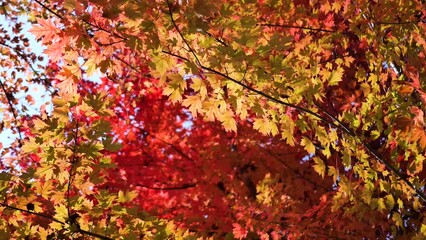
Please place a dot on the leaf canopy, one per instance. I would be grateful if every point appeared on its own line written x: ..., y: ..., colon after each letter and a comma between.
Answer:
x: 222, y: 119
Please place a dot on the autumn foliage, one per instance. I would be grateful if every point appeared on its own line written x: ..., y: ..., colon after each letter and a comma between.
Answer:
x: 213, y: 119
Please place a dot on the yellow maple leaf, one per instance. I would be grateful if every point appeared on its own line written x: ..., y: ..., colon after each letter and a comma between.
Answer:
x: 228, y: 121
x: 199, y: 86
x: 288, y: 136
x: 211, y: 110
x: 265, y: 126
x: 309, y: 146
x: 194, y: 103
x: 61, y: 212
x: 336, y: 76
x: 319, y: 166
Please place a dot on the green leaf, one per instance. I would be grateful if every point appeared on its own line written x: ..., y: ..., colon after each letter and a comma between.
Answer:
x: 346, y: 159
x: 128, y: 196
x: 110, y: 145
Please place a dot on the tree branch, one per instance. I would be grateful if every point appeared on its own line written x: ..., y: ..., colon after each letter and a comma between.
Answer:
x: 33, y: 213
x: 217, y: 39
x: 174, y: 147
x: 85, y: 21
x: 294, y: 171
x: 48, y: 9
x: 180, y: 34
x: 296, y: 27
x: 84, y: 232
x: 73, y: 162
x: 394, y: 23
x: 25, y: 58
x: 182, y: 187
x: 339, y: 125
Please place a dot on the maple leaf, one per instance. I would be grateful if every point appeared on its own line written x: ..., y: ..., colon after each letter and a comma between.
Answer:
x: 55, y: 51
x: 198, y: 85
x: 142, y: 153
x: 30, y: 99
x: 422, y: 96
x: 413, y: 74
x: 69, y: 80
x: 68, y: 86
x: 336, y: 77
x: 309, y: 146
x: 319, y: 166
x: 61, y: 212
x: 228, y: 121
x: 266, y: 126
x: 194, y: 103
x: 46, y: 29
x: 238, y: 231
x: 288, y: 136
x: 46, y: 172
x: 418, y: 116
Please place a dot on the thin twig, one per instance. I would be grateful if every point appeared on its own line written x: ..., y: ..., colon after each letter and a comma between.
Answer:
x: 85, y: 21
x: 294, y: 171
x: 48, y: 9
x: 296, y: 27
x: 105, y: 30
x: 174, y: 147
x: 25, y: 58
x: 180, y: 34
x: 339, y: 125
x: 182, y: 187
x: 9, y: 99
x: 129, y: 65
x: 217, y: 39
x: 394, y: 23
x: 33, y: 213
x: 71, y: 173
x: 84, y: 232
x: 251, y: 89
x: 92, y: 234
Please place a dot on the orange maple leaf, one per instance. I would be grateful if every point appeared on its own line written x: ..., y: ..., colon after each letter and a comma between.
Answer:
x: 45, y: 30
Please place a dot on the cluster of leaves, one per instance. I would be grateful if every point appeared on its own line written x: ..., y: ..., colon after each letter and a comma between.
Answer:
x: 61, y: 191
x: 245, y: 119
